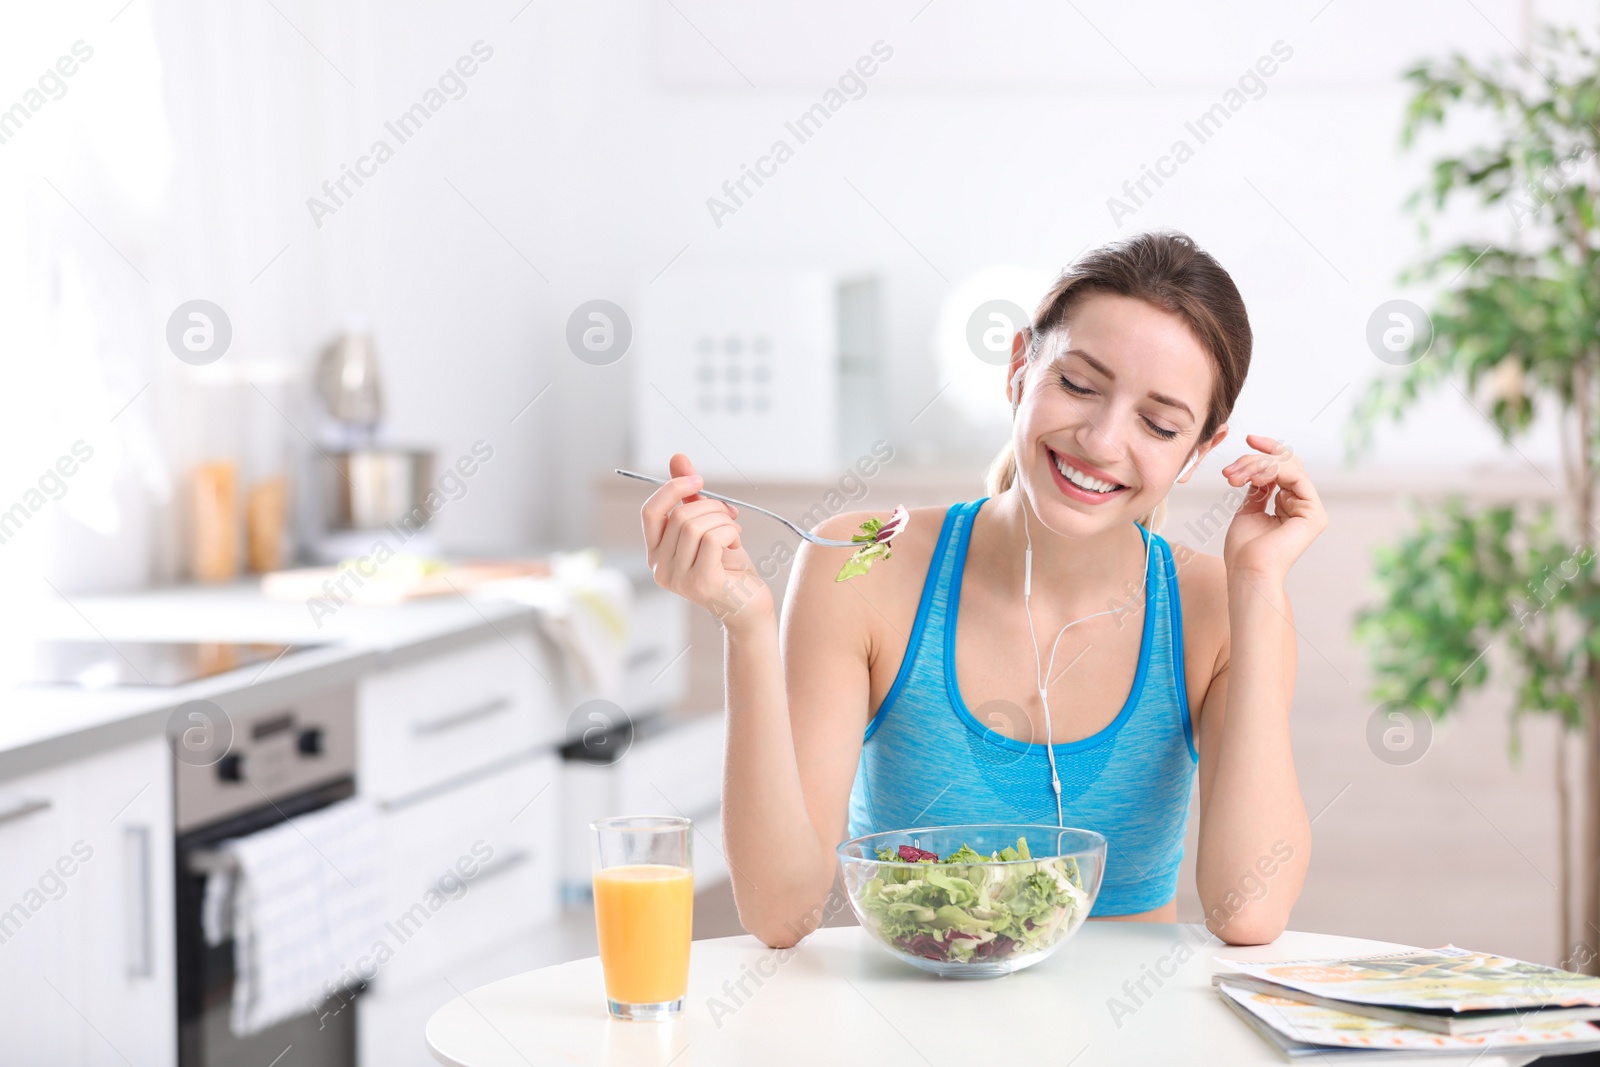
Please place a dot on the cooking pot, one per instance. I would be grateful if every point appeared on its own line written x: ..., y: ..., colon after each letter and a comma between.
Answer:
x: 374, y: 486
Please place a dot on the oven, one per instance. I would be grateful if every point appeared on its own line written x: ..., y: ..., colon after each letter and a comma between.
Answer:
x: 283, y: 761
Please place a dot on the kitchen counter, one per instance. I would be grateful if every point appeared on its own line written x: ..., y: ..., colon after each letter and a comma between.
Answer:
x: 42, y: 726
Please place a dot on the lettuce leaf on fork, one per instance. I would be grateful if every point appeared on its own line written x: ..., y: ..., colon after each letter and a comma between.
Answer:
x: 876, y: 534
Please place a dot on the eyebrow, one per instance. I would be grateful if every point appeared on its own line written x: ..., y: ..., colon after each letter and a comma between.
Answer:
x: 1159, y: 398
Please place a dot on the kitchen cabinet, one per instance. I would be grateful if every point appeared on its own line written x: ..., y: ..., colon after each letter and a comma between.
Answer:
x: 36, y: 991
x: 673, y: 767
x: 459, y: 752
x: 430, y: 720
x: 461, y: 713
x: 86, y: 960
x: 466, y: 873
x: 468, y: 868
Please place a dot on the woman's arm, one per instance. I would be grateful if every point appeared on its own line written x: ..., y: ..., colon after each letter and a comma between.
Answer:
x: 795, y: 725
x: 1255, y: 839
x: 795, y: 720
x: 777, y: 860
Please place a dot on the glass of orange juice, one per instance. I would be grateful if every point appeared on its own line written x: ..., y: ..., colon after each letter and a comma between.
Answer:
x: 644, y: 912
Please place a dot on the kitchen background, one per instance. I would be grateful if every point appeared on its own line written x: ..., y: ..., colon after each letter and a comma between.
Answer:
x: 276, y: 274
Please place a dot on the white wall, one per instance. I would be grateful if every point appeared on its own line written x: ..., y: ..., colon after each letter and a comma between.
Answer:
x: 580, y: 159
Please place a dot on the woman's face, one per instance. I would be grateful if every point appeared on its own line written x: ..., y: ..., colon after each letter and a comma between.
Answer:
x: 1111, y: 411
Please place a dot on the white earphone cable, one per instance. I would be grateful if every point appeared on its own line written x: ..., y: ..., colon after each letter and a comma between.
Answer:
x: 1041, y: 681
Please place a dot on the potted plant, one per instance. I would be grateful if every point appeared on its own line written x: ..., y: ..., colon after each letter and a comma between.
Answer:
x: 1515, y: 329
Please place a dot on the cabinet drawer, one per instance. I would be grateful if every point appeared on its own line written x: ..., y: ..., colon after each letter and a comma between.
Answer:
x: 428, y: 721
x: 672, y: 768
x: 656, y: 671
x: 467, y: 867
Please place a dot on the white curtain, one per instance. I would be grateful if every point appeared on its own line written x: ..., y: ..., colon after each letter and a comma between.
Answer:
x: 83, y: 171
x: 172, y: 164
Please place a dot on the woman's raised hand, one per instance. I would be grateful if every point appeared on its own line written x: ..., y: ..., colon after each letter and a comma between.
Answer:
x: 693, y: 546
x: 1263, y: 546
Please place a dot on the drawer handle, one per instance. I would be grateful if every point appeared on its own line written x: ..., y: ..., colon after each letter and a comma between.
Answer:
x: 494, y: 870
x: 22, y: 809
x: 136, y: 894
x: 461, y: 718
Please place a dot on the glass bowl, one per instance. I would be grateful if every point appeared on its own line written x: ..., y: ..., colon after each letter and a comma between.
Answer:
x: 986, y: 910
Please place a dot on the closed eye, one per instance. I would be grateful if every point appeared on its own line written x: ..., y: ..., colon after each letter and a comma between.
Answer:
x: 1073, y: 387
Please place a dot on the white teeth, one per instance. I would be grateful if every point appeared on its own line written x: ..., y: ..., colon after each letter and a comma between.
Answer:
x: 1083, y: 481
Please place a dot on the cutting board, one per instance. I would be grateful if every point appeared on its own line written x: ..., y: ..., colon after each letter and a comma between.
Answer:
x: 460, y: 576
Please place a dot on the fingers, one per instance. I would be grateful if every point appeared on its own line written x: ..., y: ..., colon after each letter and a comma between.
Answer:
x: 695, y: 548
x: 653, y: 515
x: 1279, y: 464
x: 1268, y: 444
x: 1275, y: 467
x: 1248, y: 467
x: 708, y: 560
x: 1295, y: 506
x: 680, y: 466
x: 684, y: 526
x: 1288, y: 504
x: 698, y: 555
x: 1256, y: 498
x: 1259, y: 472
x: 1292, y: 477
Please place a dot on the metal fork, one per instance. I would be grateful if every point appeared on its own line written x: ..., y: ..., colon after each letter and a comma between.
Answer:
x: 807, y: 534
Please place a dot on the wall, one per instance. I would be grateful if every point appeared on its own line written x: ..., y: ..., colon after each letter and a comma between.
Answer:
x: 579, y: 161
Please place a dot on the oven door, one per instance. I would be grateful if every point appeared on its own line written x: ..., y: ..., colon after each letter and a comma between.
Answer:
x: 326, y: 1038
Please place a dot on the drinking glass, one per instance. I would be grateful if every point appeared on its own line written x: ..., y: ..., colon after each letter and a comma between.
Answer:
x: 644, y: 912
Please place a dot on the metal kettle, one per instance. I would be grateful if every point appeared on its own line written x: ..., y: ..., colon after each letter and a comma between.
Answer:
x: 347, y: 378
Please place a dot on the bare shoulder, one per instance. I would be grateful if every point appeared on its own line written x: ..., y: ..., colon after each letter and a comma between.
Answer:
x: 912, y: 547
x: 1203, y: 588
x: 885, y: 598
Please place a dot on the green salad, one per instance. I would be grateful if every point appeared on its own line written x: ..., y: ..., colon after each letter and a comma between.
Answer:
x: 976, y: 912
x: 874, y: 539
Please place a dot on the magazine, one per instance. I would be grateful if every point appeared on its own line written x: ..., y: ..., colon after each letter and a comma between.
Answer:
x: 1298, y: 1029
x: 1449, y: 990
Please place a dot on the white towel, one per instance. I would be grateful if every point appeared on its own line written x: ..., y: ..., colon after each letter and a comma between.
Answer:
x: 305, y: 911
x: 586, y: 609
x: 216, y: 909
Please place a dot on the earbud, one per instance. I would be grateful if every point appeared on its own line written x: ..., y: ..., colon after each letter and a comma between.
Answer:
x: 1193, y: 461
x: 1016, y: 389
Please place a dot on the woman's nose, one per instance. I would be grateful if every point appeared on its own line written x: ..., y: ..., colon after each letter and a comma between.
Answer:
x: 1101, y: 445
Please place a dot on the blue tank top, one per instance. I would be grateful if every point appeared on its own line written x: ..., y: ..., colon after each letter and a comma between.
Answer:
x: 927, y: 760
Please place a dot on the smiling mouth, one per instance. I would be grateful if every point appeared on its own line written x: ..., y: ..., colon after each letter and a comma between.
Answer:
x: 1082, y: 480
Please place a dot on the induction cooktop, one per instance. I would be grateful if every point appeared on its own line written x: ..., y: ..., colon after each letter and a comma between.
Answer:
x: 96, y: 664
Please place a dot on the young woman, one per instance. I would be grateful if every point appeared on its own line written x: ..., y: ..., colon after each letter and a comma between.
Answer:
x: 947, y: 686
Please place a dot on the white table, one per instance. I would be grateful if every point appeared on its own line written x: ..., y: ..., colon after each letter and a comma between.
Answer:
x: 837, y: 998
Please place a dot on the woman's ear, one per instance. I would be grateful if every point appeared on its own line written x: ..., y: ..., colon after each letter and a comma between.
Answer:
x: 1206, y: 446
x: 1019, y: 362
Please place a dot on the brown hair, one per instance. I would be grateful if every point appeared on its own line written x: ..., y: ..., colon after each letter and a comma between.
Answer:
x: 1166, y: 269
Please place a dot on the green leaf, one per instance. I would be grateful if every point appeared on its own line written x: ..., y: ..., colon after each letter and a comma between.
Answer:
x: 861, y: 561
